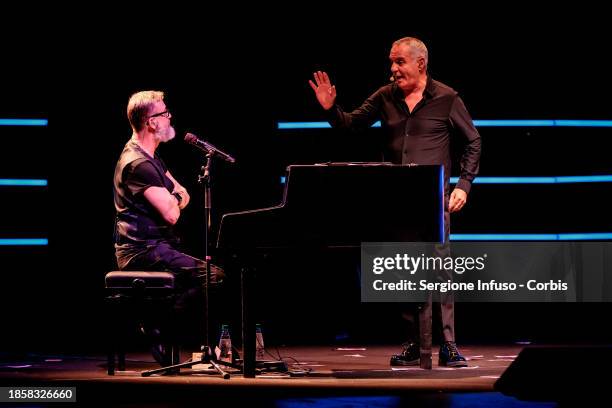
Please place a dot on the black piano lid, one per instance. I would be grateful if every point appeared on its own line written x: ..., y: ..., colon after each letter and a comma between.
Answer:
x: 343, y: 204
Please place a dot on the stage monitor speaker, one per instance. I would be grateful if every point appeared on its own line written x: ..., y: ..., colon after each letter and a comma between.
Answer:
x: 558, y: 373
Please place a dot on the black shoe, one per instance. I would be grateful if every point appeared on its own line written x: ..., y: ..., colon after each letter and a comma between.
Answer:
x: 410, y: 356
x: 450, y: 357
x: 158, y: 350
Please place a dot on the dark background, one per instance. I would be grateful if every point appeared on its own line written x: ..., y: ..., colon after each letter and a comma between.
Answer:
x: 229, y: 76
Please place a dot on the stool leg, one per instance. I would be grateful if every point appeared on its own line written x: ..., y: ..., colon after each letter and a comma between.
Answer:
x: 173, y: 358
x: 110, y: 336
x: 176, y: 354
x: 121, y: 337
x: 110, y: 363
x: 116, y: 327
x: 121, y: 362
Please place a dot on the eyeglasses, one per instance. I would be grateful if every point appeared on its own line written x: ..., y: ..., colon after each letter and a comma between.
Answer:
x: 165, y: 114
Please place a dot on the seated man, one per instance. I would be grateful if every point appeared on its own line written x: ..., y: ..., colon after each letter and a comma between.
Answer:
x: 148, y: 201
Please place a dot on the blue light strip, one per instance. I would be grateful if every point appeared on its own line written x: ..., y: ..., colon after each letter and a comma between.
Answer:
x: 23, y: 182
x: 478, y: 123
x: 503, y: 237
x: 24, y: 122
x: 584, y: 123
x: 584, y: 179
x: 513, y: 122
x: 532, y: 237
x: 585, y: 236
x: 303, y: 125
x: 539, y: 180
x: 510, y: 180
x: 311, y: 125
x: 441, y: 194
x: 23, y: 241
x: 524, y: 180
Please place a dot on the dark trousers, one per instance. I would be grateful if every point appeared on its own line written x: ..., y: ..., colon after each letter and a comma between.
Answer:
x: 424, y: 311
x: 189, y: 273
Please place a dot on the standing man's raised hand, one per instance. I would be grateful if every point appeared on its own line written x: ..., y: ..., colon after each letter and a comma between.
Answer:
x: 323, y: 89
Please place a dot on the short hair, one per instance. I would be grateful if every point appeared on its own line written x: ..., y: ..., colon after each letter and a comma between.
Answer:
x: 417, y: 47
x: 139, y: 107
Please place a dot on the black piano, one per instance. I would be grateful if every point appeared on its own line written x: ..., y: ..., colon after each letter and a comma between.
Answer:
x: 334, y: 205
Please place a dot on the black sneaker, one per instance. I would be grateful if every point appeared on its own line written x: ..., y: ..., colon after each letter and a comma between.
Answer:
x: 158, y: 351
x: 410, y: 356
x: 450, y: 357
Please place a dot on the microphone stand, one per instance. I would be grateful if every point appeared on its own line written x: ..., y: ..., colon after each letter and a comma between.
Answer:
x: 204, y: 180
x: 208, y: 356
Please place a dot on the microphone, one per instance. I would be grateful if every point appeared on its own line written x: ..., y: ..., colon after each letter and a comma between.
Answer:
x: 207, y: 147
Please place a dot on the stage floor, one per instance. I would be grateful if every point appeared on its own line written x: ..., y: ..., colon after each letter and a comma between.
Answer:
x: 356, y: 371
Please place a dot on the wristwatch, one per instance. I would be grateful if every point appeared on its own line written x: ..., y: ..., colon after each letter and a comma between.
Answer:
x: 178, y: 197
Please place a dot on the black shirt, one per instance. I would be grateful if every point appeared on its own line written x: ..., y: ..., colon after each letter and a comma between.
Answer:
x: 137, y: 220
x: 423, y: 135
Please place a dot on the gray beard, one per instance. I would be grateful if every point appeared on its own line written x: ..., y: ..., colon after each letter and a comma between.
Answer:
x: 166, y: 135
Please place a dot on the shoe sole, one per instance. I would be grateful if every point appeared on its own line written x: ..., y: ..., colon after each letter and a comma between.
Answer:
x: 405, y: 363
x: 452, y: 364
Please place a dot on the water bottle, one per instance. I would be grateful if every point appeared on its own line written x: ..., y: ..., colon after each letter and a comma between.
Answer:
x: 225, y: 344
x: 259, y: 347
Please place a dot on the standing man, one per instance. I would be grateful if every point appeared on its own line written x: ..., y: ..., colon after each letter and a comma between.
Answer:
x: 419, y: 117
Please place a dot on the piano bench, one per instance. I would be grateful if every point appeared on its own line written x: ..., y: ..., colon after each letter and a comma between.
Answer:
x: 133, y: 297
